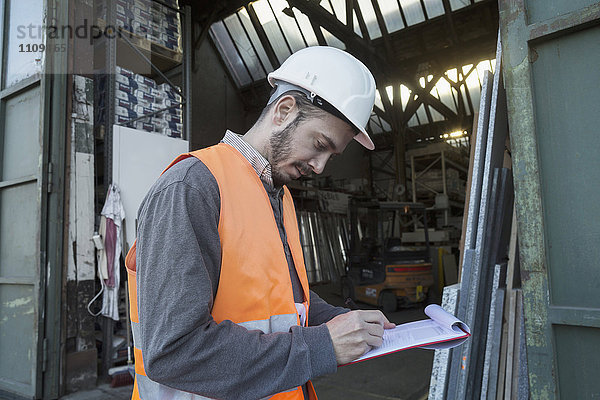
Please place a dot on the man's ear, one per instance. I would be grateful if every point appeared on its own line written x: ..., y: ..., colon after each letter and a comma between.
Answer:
x: 283, y: 110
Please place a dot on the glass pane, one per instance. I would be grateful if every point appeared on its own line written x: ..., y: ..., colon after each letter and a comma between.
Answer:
x: 389, y: 90
x: 457, y: 4
x: 244, y: 47
x: 325, y: 4
x: 374, y: 124
x: 421, y: 115
x: 413, y: 121
x: 306, y: 27
x: 355, y: 23
x: 378, y: 102
x: 404, y: 96
x: 435, y: 116
x: 288, y: 24
x: 434, y: 8
x: 391, y: 15
x: 452, y: 75
x: 19, y: 230
x: 25, y: 40
x: 21, y: 128
x: 385, y: 125
x: 229, y: 54
x: 19, y: 313
x: 474, y: 89
x: 443, y: 91
x: 463, y: 94
x: 412, y: 11
x: 267, y: 20
x: 332, y: 40
x: 482, y: 67
x: 243, y: 13
x: 366, y: 9
x: 339, y: 8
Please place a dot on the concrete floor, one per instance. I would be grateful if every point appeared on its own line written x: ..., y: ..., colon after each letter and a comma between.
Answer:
x: 399, y: 376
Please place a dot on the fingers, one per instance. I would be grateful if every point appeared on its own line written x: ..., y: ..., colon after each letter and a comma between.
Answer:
x: 373, y: 316
x: 356, y: 332
x: 374, y: 329
x: 389, y: 325
x: 376, y: 316
x: 374, y: 341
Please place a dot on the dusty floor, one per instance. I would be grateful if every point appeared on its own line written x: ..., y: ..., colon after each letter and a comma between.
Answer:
x: 400, y: 376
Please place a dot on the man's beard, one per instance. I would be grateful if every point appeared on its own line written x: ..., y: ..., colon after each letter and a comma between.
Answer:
x: 281, y: 148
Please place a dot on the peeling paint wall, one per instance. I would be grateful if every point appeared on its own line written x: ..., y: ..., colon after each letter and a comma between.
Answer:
x: 81, y: 357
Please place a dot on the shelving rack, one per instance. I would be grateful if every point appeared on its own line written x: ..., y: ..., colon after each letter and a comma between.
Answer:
x: 137, y: 54
x: 114, y: 46
x: 438, y: 156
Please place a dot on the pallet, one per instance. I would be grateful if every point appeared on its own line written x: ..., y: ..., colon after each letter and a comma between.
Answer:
x: 149, y: 48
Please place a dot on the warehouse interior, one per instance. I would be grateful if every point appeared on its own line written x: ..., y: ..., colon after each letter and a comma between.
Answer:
x: 485, y: 166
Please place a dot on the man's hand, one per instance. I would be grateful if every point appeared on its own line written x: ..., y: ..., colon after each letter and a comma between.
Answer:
x: 356, y: 332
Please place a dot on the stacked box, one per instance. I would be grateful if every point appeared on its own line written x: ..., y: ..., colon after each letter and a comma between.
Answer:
x: 137, y: 95
x: 153, y: 21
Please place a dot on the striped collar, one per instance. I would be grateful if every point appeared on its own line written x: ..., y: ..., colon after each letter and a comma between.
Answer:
x: 258, y: 162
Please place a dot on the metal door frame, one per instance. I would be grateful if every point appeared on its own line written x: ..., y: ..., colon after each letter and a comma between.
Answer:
x: 55, y: 127
x: 517, y: 58
x: 50, y: 179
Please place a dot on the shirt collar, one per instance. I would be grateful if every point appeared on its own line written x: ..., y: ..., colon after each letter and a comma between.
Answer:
x: 260, y: 164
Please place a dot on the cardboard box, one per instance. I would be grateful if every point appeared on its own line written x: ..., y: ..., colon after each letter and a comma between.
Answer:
x: 125, y: 88
x: 121, y: 119
x: 140, y: 94
x: 141, y: 110
x: 123, y: 12
x: 145, y: 126
x: 171, y: 132
x: 125, y: 112
x: 124, y: 72
x: 145, y: 81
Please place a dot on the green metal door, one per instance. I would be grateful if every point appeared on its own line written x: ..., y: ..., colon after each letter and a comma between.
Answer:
x: 30, y: 204
x: 551, y: 58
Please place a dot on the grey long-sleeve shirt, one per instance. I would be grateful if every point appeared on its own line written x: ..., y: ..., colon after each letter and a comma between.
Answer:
x: 178, y: 259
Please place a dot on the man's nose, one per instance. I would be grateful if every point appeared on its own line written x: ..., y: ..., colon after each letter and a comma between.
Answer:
x: 318, y: 164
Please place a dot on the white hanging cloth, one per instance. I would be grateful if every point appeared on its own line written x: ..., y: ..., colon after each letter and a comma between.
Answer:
x: 111, y: 232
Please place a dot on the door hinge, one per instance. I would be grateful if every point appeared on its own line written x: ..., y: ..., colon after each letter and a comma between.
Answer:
x: 44, y: 354
x: 50, y: 175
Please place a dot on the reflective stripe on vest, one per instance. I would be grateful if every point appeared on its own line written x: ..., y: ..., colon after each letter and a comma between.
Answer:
x: 252, y: 257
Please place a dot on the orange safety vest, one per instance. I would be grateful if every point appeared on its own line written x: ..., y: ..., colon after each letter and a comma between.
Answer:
x: 252, y: 257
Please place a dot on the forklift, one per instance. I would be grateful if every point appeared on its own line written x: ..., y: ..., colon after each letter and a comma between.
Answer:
x: 382, y: 270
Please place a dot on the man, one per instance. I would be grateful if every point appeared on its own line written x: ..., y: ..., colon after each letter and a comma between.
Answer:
x: 222, y: 307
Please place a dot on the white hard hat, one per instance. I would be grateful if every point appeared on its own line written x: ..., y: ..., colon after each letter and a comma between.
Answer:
x: 335, y: 77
